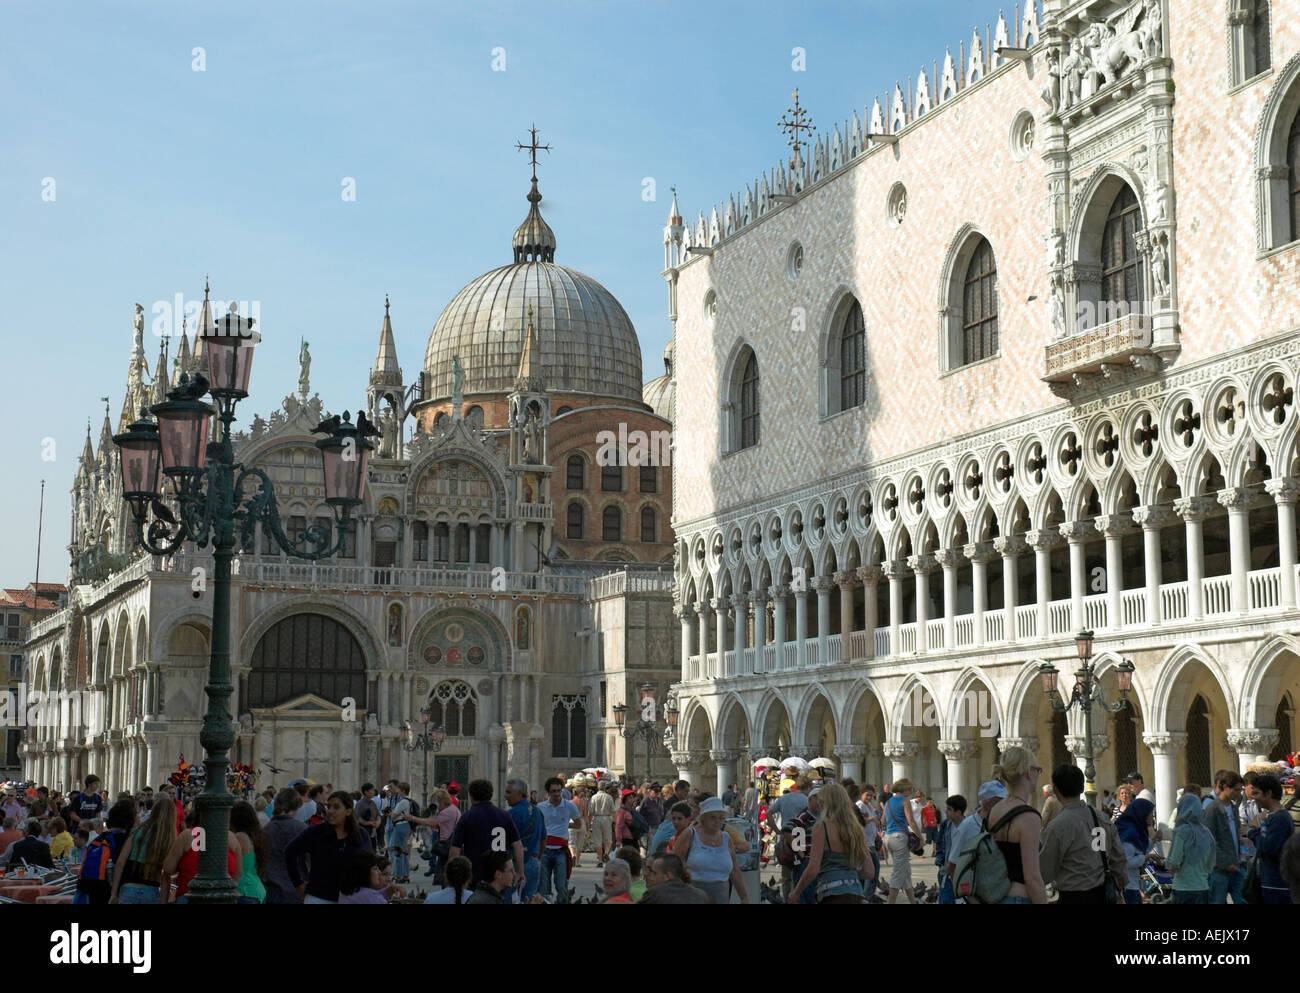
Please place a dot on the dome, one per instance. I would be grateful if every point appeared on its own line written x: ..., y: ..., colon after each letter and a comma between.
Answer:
x: 658, y: 394
x: 587, y: 341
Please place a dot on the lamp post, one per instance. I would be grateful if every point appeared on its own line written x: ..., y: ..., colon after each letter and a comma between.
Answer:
x: 1087, y: 691
x: 206, y: 488
x: 430, y: 740
x: 647, y: 726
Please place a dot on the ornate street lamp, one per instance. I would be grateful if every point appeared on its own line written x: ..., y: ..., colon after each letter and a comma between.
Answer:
x: 1087, y: 691
x: 647, y: 725
x: 209, y: 507
x: 429, y: 740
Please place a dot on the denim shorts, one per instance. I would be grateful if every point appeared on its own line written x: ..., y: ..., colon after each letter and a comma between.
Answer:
x: 137, y: 893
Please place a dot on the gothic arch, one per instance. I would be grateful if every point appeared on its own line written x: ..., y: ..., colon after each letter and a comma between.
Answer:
x: 862, y: 688
x: 446, y: 610
x: 899, y: 711
x: 455, y: 453
x: 1254, y: 712
x: 954, y: 710
x: 952, y: 284
x: 307, y: 604
x: 733, y: 371
x: 838, y: 307
x: 732, y: 707
x: 763, y: 714
x: 197, y: 617
x: 1091, y: 205
x: 803, y: 709
x: 1169, y: 692
x: 697, y: 712
x: 1025, y: 699
x: 1272, y: 209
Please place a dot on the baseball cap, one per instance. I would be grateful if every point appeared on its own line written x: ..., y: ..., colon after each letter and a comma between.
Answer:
x: 992, y: 790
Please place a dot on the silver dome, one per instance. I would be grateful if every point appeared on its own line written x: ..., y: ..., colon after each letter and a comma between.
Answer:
x: 658, y: 394
x: 587, y: 341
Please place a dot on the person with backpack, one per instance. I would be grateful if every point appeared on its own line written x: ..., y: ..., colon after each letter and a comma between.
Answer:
x: 966, y: 832
x: 399, y: 834
x: 1015, y: 826
x: 1081, y: 852
x: 96, y: 882
x: 900, y: 827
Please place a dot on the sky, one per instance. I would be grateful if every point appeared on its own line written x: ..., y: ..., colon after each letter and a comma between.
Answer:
x: 311, y: 157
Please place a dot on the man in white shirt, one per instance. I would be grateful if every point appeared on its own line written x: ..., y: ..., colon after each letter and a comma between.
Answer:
x: 559, y: 816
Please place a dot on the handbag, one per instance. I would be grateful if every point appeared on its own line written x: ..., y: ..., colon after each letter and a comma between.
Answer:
x: 1252, y: 888
x: 1112, y: 894
x: 914, y: 843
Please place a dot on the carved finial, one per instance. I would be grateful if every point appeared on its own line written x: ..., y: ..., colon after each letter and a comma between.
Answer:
x: 796, y: 123
x: 205, y: 286
x: 385, y: 304
x: 533, y: 148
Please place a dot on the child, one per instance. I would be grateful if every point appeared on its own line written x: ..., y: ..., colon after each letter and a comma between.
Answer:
x: 80, y: 840
x: 362, y: 880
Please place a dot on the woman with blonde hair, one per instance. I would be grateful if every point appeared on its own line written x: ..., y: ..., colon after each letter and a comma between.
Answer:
x: 578, y: 835
x: 840, y: 862
x: 1016, y: 825
x: 899, y: 822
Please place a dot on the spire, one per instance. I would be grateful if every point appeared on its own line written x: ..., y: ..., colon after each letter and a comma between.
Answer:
x: 674, y: 212
x: 534, y: 241
x: 529, y: 379
x: 87, y: 452
x: 205, y: 325
x: 183, y: 359
x: 386, y: 370
x: 162, y: 375
x: 105, y: 432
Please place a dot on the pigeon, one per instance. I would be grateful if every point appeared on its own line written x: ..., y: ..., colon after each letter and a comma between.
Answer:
x: 274, y: 770
x: 162, y: 511
x: 364, y: 427
x: 328, y: 426
x: 193, y: 389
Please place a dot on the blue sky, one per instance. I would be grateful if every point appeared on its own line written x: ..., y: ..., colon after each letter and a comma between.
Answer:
x: 163, y: 174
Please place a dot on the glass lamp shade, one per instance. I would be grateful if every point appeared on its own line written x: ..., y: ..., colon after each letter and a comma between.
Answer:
x: 1083, y: 643
x: 424, y: 715
x: 620, y: 715
x: 438, y: 736
x: 183, y: 427
x: 1124, y: 676
x: 141, y: 457
x: 346, y: 456
x: 670, y: 714
x: 407, y: 735
x: 1048, y: 673
x: 230, y: 343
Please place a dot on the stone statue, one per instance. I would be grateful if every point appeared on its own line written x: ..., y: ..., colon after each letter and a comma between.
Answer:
x: 1058, y: 311
x: 457, y: 386
x: 1051, y: 93
x: 1073, y: 68
x: 304, y: 368
x: 138, y: 326
x: 533, y: 439
x: 1056, y: 248
x: 1159, y: 267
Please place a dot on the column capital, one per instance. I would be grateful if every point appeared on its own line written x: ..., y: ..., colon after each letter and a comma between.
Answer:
x: 869, y: 574
x: 846, y: 577
x: 1151, y: 518
x: 1026, y: 741
x: 757, y: 752
x: 1076, y: 531
x: 1043, y: 538
x: 1283, y: 490
x: 979, y: 551
x: 1252, y: 741
x: 758, y: 598
x: 920, y: 564
x: 1194, y: 508
x: 703, y: 608
x: 850, y: 752
x: 1235, y: 498
x: 721, y: 755
x: 1164, y: 742
x: 822, y: 584
x: 1114, y: 525
x: 946, y: 558
x: 1008, y: 545
x: 739, y: 600
x: 1077, y: 744
x: 681, y: 759
x: 697, y: 756
x: 684, y: 611
x: 778, y: 592
x: 719, y: 604
x: 959, y: 749
x: 894, y: 569
x: 802, y: 748
x: 900, y: 749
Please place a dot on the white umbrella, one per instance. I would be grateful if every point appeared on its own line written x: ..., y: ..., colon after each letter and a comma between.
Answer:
x: 794, y: 760
x: 821, y: 762
x: 599, y: 770
x: 768, y: 763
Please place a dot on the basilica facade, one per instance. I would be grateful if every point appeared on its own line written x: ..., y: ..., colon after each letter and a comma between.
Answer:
x: 1008, y: 356
x: 504, y: 581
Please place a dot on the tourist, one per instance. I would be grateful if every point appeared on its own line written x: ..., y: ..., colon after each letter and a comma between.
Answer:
x: 1249, y: 814
x: 329, y: 845
x: 259, y: 807
x: 666, y: 835
x: 1051, y: 805
x: 899, y: 821
x: 954, y: 814
x: 616, y: 880
x: 532, y: 828
x: 398, y: 837
x: 651, y: 808
x: 1018, y: 838
x: 95, y: 885
x: 60, y: 839
x: 1192, y: 852
x: 496, y: 868
x: 635, y: 865
x: 668, y: 882
x: 970, y: 827
x: 1270, y: 838
x: 579, y: 834
x: 930, y: 820
x: 707, y: 851
x: 457, y: 872
x: 1070, y: 858
x: 1289, y: 862
x: 182, y: 860
x: 559, y: 816
x: 363, y: 880
x: 750, y: 806
x: 138, y: 870
x: 11, y: 833
x: 444, y: 820
x: 1134, y: 826
x: 367, y: 812
x: 32, y: 849
x: 252, y: 852
x: 476, y: 834
x: 1123, y: 797
x: 625, y: 828
x: 799, y: 842
x: 839, y: 863
x: 1221, y: 817
x: 602, y: 808
x: 783, y: 809
x: 89, y: 803
x: 11, y: 808
x: 284, y: 827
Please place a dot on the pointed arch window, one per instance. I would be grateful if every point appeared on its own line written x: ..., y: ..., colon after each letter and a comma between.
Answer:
x: 569, y: 726
x: 420, y: 542
x: 454, y: 706
x: 1293, y: 184
x: 749, y: 403
x: 1250, y: 27
x: 1121, y: 266
x: 1199, y: 768
x: 980, y: 305
x: 853, y: 360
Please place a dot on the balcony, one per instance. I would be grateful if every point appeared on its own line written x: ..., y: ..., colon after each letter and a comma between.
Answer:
x: 1100, y: 350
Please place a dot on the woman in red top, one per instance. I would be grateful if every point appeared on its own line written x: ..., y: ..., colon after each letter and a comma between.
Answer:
x: 623, y: 833
x: 183, y: 859
x: 930, y: 820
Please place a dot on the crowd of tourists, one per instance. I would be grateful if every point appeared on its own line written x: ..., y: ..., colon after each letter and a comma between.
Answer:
x: 1017, y: 841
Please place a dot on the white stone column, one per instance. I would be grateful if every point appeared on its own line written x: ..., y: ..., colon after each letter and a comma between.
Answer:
x: 870, y: 576
x: 958, y: 753
x: 978, y: 552
x: 846, y: 580
x: 901, y: 755
x: 946, y: 558
x: 739, y: 612
x: 758, y: 600
x: 726, y: 763
x: 801, y: 627
x: 823, y: 584
x: 1165, y: 746
x: 1193, y: 511
x: 682, y: 761
x: 1237, y: 500
x: 850, y: 757
x: 1113, y: 527
x: 920, y: 566
x: 1074, y: 532
x: 702, y: 632
x: 1284, y: 492
x: 1009, y: 547
x: 1152, y: 519
x: 895, y: 571
x: 1042, y: 542
x: 719, y: 605
x: 1249, y: 743
x: 685, y: 614
x: 778, y: 595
